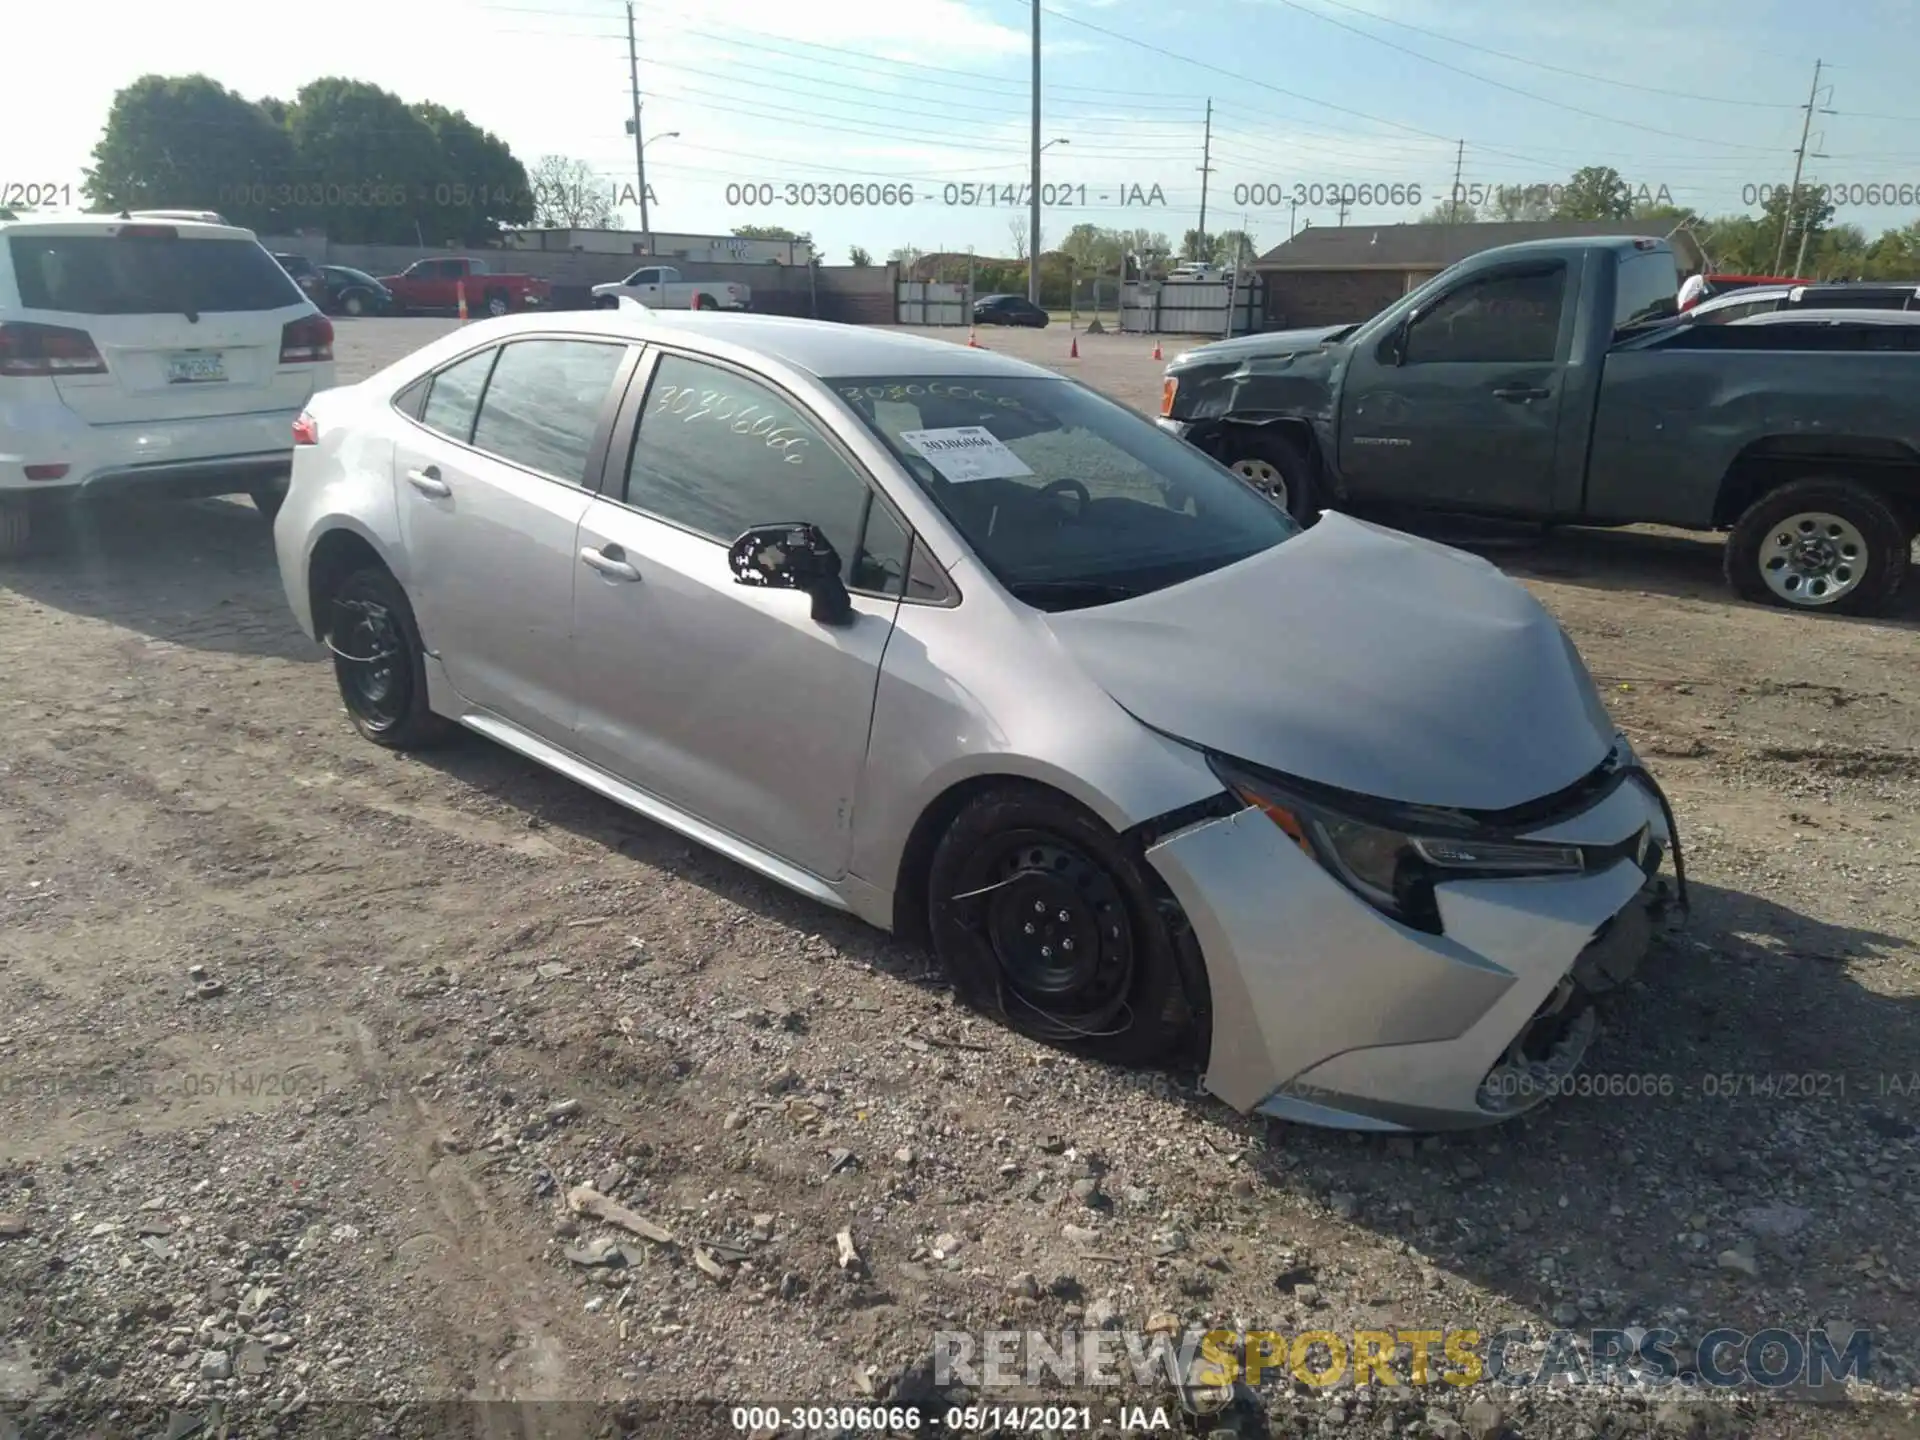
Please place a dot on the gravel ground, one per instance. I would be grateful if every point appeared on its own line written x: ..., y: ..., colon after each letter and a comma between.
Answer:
x: 306, y: 1049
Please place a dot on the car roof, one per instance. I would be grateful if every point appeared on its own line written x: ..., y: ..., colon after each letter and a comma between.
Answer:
x: 1845, y: 315
x: 78, y: 223
x: 820, y: 348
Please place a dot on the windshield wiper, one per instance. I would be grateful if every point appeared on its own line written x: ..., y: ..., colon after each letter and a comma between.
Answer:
x: 1085, y: 592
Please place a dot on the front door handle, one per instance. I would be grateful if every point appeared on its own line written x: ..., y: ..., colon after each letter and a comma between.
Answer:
x: 1522, y: 393
x: 428, y: 482
x: 609, y: 564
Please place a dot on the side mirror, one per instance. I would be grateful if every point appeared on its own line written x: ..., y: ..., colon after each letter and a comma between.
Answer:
x: 794, y: 555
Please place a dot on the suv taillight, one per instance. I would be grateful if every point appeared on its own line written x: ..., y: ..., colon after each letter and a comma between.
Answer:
x: 306, y: 430
x: 305, y: 340
x: 48, y: 350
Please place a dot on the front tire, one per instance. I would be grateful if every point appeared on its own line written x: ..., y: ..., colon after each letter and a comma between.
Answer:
x: 1278, y: 468
x: 1824, y: 543
x: 379, y: 662
x: 1045, y: 919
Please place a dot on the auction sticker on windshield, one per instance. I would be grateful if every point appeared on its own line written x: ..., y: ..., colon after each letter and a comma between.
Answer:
x: 966, y: 452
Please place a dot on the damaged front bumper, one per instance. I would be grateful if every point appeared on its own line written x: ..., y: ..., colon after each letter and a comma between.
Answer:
x: 1327, y: 1012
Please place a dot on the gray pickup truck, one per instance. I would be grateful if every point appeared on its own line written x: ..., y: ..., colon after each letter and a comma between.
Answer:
x: 1552, y: 382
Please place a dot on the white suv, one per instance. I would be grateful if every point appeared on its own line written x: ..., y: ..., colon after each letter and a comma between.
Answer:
x: 147, y: 355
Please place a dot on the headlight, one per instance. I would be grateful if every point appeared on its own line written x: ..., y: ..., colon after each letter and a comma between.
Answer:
x: 1393, y: 869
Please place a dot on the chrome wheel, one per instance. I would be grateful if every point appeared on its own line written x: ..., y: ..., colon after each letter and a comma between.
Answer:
x: 497, y: 305
x: 353, y: 305
x: 1813, y: 559
x: 1264, y: 476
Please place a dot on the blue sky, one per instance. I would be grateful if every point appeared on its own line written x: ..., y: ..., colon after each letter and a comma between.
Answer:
x: 1703, y: 99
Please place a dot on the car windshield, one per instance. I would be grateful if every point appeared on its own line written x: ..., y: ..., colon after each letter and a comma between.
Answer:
x: 140, y: 275
x: 1068, y: 498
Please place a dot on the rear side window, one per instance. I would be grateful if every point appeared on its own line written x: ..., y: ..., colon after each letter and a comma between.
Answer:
x: 454, y: 399
x: 115, y: 275
x: 544, y: 402
x: 1648, y: 284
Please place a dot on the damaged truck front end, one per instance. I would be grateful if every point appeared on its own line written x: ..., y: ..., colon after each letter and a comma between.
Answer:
x: 1467, y: 950
x: 1212, y: 394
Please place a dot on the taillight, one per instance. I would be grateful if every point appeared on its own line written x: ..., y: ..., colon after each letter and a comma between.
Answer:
x: 305, y: 340
x: 306, y: 430
x: 28, y: 350
x: 1168, y: 389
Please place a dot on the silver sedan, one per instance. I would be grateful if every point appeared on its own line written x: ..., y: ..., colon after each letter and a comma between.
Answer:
x: 960, y: 646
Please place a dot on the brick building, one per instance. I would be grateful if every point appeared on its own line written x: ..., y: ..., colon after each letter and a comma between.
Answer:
x: 1337, y: 275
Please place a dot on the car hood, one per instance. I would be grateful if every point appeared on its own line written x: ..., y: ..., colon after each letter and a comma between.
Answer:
x: 1268, y: 342
x: 1360, y: 658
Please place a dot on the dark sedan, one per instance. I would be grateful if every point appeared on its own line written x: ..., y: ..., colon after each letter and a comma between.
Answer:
x: 1008, y: 310
x: 354, y: 292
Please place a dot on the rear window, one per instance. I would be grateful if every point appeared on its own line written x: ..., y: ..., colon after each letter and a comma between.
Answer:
x: 1647, y: 286
x: 111, y: 275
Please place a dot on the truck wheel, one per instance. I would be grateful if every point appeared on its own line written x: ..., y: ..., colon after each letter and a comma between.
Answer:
x: 705, y: 302
x: 1277, y: 468
x: 1819, y: 544
x: 497, y: 304
x: 16, y: 531
x: 606, y: 302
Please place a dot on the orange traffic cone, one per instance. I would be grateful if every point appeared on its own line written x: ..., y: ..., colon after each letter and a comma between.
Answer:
x: 460, y: 293
x: 1074, y: 353
x: 1156, y: 350
x: 973, y: 342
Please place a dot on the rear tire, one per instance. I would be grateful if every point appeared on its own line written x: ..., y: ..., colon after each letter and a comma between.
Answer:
x: 705, y: 302
x: 498, y: 304
x: 1278, y: 468
x: 268, y: 498
x: 16, y: 531
x: 1105, y: 980
x: 379, y: 662
x: 1835, y: 542
x: 353, y: 303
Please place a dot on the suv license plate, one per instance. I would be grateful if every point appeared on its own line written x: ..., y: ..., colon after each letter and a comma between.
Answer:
x: 196, y: 367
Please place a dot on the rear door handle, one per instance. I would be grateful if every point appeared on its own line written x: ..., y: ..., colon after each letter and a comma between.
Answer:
x: 609, y: 564
x: 1522, y: 392
x: 428, y: 482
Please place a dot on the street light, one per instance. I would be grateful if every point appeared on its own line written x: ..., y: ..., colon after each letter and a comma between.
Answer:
x: 1033, y: 223
x: 655, y: 139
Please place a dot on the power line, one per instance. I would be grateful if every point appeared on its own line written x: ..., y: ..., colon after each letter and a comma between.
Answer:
x: 1534, y: 64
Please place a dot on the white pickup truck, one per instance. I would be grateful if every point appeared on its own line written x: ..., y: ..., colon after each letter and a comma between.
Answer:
x: 660, y: 287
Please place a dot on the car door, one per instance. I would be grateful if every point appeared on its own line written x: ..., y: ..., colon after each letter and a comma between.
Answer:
x: 725, y: 700
x: 491, y: 483
x: 1461, y: 409
x: 644, y: 286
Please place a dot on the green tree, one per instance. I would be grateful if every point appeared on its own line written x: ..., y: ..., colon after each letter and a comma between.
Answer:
x: 481, y: 161
x: 1234, y: 247
x: 1596, y: 192
x: 370, y: 169
x: 1806, y: 213
x: 857, y: 255
x: 188, y: 142
x: 1196, y: 245
x: 1516, y: 204
x: 570, y: 195
x: 772, y: 232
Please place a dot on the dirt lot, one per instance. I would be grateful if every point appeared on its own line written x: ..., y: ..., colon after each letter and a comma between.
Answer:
x: 303, y: 1046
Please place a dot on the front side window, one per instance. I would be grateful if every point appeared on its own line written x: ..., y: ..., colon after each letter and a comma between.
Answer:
x: 453, y: 400
x: 1066, y: 497
x: 718, y: 453
x: 1511, y: 317
x: 544, y: 402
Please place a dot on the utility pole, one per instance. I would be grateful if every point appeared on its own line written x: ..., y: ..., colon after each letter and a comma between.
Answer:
x: 1799, y: 160
x: 1033, y: 211
x: 1459, y: 167
x: 1206, y: 170
x: 1293, y: 215
x: 639, y: 144
x: 1343, y: 210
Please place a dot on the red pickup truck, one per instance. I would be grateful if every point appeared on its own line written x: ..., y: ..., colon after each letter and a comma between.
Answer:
x: 435, y: 285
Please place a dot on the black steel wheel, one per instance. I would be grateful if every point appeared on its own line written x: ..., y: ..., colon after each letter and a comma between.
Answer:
x: 1044, y: 918
x: 379, y: 662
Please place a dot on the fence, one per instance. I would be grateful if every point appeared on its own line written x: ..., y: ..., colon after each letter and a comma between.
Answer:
x: 920, y: 302
x: 1193, y: 307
